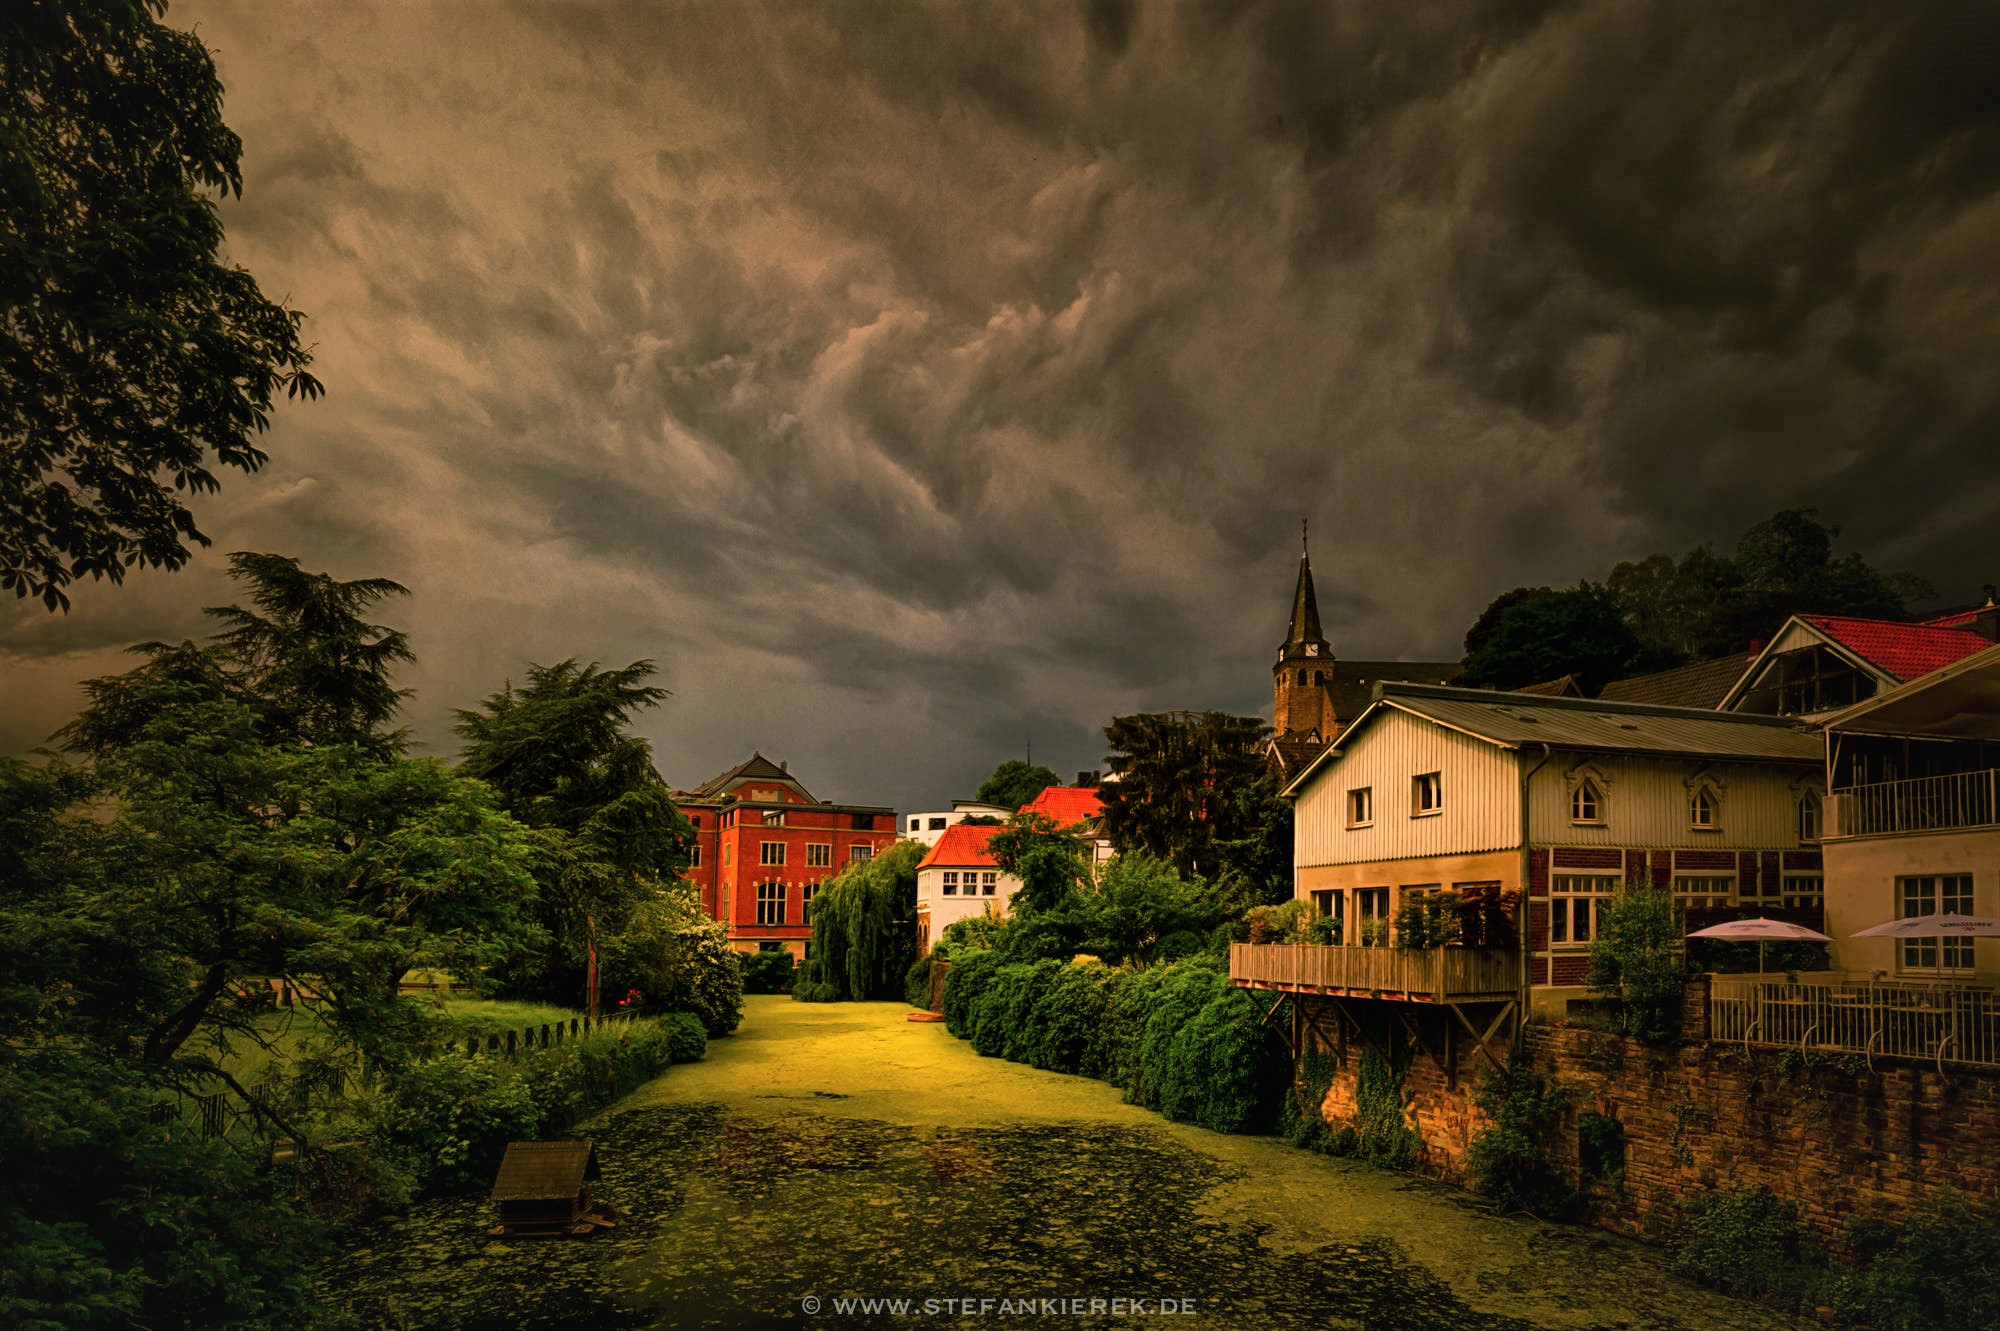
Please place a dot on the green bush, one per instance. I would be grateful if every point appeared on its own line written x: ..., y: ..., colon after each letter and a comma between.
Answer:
x: 1382, y: 1133
x: 1218, y: 1067
x: 687, y: 1038
x: 1600, y: 1148
x: 768, y: 972
x: 1748, y: 1244
x: 917, y: 981
x: 1636, y: 958
x: 1302, y: 1110
x: 968, y: 976
x: 1072, y: 1013
x: 1938, y: 1272
x: 1508, y: 1159
x: 680, y: 960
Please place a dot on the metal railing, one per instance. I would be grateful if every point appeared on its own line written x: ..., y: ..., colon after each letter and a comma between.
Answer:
x: 1435, y: 975
x: 1921, y: 804
x: 1940, y: 1023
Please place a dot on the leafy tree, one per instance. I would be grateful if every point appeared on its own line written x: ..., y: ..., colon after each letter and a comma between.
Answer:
x: 1051, y: 862
x: 1482, y: 627
x: 1581, y: 632
x: 679, y: 958
x: 1188, y: 792
x: 132, y: 359
x: 1636, y: 958
x: 560, y: 751
x: 864, y: 929
x: 1139, y: 902
x: 1015, y: 782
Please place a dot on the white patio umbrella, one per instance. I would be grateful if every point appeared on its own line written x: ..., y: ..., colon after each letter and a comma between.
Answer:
x: 1934, y: 926
x: 1762, y: 931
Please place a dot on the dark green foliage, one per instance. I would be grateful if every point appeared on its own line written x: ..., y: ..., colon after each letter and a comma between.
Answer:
x: 134, y: 357
x: 1600, y: 1148
x: 1194, y: 789
x: 1636, y: 959
x: 1301, y: 1113
x: 970, y: 973
x: 864, y: 930
x: 1548, y: 634
x: 1509, y: 1158
x: 1427, y: 921
x: 678, y: 958
x: 560, y: 751
x: 1051, y: 862
x: 1748, y: 1244
x: 768, y: 972
x: 687, y: 1037
x: 448, y: 1120
x: 1726, y: 957
x: 1015, y: 782
x: 1382, y: 1133
x: 111, y: 1218
x: 1068, y: 1025
x: 917, y: 980
x: 1938, y: 1272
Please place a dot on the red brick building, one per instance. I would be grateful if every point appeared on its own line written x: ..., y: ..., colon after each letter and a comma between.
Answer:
x: 763, y: 845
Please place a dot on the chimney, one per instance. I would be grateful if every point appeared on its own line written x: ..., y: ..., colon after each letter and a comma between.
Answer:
x: 1756, y: 646
x: 1086, y: 779
x: 785, y: 766
x: 1987, y: 622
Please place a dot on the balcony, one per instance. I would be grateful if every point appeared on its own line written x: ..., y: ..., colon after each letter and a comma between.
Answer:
x: 1435, y: 975
x: 1923, y: 804
x: 1937, y: 1023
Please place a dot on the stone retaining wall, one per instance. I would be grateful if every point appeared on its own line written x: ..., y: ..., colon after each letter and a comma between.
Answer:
x: 1831, y: 1137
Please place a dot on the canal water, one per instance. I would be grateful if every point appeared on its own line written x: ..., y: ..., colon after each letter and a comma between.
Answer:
x: 835, y: 1152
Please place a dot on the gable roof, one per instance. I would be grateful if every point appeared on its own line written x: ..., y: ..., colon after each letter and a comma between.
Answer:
x: 1958, y: 701
x: 1515, y: 720
x: 1067, y: 805
x: 1903, y: 650
x: 754, y: 768
x: 960, y: 847
x: 540, y: 1171
x: 1564, y: 687
x: 1698, y: 684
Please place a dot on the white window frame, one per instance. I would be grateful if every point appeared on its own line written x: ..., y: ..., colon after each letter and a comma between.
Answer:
x: 1803, y: 891
x: 1713, y: 890
x: 1934, y: 894
x: 1426, y: 794
x: 860, y: 851
x: 771, y: 903
x: 989, y: 883
x: 1361, y: 806
x: 1576, y: 904
x: 948, y: 884
x: 1586, y: 804
x: 1704, y: 808
x: 1371, y: 903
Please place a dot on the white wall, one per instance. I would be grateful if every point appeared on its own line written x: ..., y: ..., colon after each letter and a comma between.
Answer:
x: 1481, y: 808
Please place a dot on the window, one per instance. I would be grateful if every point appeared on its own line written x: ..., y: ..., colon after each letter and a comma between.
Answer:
x: 772, y: 852
x: 726, y: 848
x: 1809, y: 817
x: 937, y: 824
x: 864, y: 822
x: 1934, y: 894
x: 1302, y: 677
x: 1586, y: 804
x: 1426, y: 794
x: 950, y: 887
x: 1698, y: 892
x: 989, y: 883
x: 1574, y: 903
x: 807, y: 891
x: 1371, y: 909
x: 860, y: 852
x: 694, y: 856
x: 770, y: 903
x: 1804, y: 890
x: 774, y: 817
x: 819, y: 854
x: 1702, y: 808
x: 916, y: 824
x: 1361, y: 806
x: 1331, y: 902
x: 1319, y: 677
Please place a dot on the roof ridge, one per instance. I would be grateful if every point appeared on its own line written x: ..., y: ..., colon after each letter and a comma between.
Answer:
x: 1501, y: 698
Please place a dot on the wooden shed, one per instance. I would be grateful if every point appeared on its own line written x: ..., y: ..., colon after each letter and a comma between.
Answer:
x: 543, y: 1190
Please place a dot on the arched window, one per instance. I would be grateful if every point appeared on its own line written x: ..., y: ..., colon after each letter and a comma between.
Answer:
x: 1319, y: 678
x: 1702, y: 807
x: 1302, y: 677
x: 1586, y: 803
x: 1809, y: 817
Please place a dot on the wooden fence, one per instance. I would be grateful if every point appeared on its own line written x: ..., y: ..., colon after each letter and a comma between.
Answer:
x: 1438, y: 975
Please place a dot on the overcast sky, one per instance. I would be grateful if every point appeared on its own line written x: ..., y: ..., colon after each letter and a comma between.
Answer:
x: 913, y: 382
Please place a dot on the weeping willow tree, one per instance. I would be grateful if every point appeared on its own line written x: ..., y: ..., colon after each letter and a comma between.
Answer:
x: 864, y: 929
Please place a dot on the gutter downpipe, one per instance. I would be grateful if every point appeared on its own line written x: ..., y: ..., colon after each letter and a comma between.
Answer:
x: 1521, y: 924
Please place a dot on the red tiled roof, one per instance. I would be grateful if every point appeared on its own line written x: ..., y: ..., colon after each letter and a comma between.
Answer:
x: 1067, y: 805
x: 961, y: 846
x: 1904, y: 650
x: 1956, y: 617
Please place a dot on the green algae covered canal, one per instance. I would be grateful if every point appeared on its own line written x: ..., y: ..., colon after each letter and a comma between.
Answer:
x: 829, y: 1153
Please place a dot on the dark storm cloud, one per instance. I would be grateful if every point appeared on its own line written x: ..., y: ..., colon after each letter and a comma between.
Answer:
x: 913, y: 379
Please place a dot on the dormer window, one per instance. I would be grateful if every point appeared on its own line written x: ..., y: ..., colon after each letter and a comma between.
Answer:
x: 1702, y: 808
x: 1586, y: 803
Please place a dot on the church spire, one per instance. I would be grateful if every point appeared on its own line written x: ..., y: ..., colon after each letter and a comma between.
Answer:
x: 1305, y: 606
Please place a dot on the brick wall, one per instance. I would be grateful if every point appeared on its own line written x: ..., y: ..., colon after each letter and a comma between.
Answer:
x: 1831, y: 1137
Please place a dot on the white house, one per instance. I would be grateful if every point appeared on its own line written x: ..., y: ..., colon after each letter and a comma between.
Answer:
x: 958, y: 879
x: 928, y: 827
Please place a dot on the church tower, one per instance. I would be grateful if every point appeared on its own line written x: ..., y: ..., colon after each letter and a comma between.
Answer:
x: 1302, y: 680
